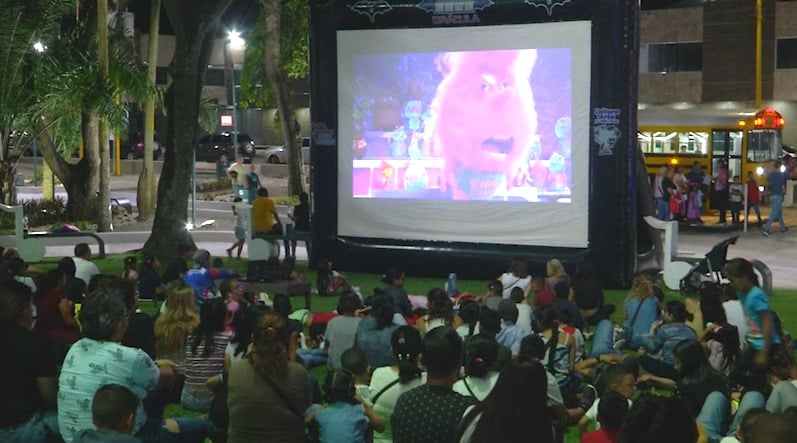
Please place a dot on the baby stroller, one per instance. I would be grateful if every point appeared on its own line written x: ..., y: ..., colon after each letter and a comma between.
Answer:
x: 707, y: 269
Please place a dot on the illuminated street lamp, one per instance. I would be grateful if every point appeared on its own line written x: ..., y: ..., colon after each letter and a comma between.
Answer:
x: 235, y: 44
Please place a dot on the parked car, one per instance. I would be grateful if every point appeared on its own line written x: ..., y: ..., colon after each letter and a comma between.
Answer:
x: 214, y: 147
x: 279, y: 154
x: 133, y: 148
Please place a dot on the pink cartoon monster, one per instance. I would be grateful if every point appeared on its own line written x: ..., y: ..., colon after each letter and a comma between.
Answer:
x: 483, y: 119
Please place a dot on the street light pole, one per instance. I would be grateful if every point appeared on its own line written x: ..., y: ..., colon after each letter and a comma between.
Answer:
x: 235, y: 43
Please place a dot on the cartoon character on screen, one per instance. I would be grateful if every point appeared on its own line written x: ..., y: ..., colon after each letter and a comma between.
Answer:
x: 539, y: 173
x: 398, y: 143
x: 557, y: 175
x: 483, y: 119
x: 383, y: 177
x: 564, y: 138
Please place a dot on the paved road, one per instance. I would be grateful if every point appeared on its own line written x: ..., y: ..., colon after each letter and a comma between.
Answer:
x: 779, y: 251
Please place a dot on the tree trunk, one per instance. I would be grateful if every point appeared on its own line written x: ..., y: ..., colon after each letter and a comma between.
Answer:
x: 80, y: 179
x: 146, y: 181
x: 279, y: 83
x: 104, y: 203
x: 194, y: 28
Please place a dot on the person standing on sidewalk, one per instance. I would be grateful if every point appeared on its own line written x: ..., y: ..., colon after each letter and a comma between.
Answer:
x: 753, y: 197
x: 237, y: 174
x: 776, y: 185
x: 240, y: 229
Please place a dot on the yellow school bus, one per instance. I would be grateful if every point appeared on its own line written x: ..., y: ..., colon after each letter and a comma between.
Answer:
x: 749, y: 141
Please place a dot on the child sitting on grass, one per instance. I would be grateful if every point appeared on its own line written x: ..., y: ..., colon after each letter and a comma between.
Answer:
x: 355, y: 361
x: 617, y: 378
x: 345, y: 418
x: 612, y: 410
x: 113, y: 412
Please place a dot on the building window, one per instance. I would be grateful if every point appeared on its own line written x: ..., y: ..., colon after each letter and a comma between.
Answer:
x: 161, y: 75
x: 786, y: 53
x: 675, y: 57
x: 214, y: 77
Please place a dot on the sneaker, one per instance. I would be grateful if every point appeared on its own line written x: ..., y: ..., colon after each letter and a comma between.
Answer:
x: 229, y: 253
x: 765, y: 232
x: 784, y: 230
x: 619, y: 344
x: 587, y: 397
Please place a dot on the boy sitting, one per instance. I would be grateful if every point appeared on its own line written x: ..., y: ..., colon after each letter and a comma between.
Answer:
x: 113, y: 412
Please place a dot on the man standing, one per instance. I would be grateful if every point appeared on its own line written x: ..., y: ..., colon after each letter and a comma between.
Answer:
x: 432, y: 412
x: 237, y: 174
x: 84, y: 268
x: 776, y: 185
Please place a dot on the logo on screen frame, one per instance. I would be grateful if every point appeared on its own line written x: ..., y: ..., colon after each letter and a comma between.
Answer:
x: 605, y: 130
x: 371, y: 8
x: 454, y: 12
x: 549, y: 5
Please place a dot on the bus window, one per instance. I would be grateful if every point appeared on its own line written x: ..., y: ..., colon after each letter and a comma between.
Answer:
x: 763, y: 145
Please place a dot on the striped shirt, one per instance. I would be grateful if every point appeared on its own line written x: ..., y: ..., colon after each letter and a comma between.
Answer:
x: 199, y: 367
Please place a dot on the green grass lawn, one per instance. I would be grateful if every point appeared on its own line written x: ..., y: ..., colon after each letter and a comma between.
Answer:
x: 781, y: 301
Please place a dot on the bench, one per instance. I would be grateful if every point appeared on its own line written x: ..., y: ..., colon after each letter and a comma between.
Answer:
x: 100, y: 241
x: 285, y: 287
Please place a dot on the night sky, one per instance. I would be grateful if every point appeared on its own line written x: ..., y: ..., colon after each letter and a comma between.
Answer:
x: 243, y: 14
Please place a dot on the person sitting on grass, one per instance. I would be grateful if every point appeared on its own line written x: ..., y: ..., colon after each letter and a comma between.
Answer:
x: 667, y: 335
x: 440, y: 312
x: 355, y: 361
x: 612, y: 410
x: 480, y: 354
x: 342, y: 329
x: 617, y: 378
x: 329, y: 281
x: 202, y: 276
x: 346, y: 417
x: 113, y: 412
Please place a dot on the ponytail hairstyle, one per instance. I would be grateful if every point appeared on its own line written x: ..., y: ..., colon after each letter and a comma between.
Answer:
x: 339, y: 387
x: 270, y: 340
x: 480, y: 354
x: 407, y: 344
x: 739, y: 267
x: 678, y: 311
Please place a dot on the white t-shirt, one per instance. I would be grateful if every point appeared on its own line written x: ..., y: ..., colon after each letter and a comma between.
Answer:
x: 85, y: 269
x: 481, y: 387
x: 524, y: 317
x: 511, y: 281
x: 386, y: 402
x: 592, y: 413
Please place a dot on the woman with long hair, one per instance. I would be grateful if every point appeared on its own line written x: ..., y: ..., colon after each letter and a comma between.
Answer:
x: 375, y: 330
x: 640, y: 308
x: 56, y: 317
x: 481, y: 351
x: 173, y: 327
x: 517, y: 276
x: 267, y: 393
x: 555, y: 273
x: 515, y: 410
x: 440, y: 312
x: 204, y: 354
x: 389, y: 382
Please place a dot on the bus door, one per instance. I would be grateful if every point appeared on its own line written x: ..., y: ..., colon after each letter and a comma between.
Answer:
x: 726, y: 145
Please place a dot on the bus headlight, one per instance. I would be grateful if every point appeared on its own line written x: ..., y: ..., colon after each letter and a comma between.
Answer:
x: 761, y: 188
x: 759, y: 170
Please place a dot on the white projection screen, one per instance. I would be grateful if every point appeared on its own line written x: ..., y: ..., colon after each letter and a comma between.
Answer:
x: 472, y: 134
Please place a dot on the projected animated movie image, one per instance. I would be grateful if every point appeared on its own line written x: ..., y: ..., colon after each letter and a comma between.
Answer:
x: 469, y: 125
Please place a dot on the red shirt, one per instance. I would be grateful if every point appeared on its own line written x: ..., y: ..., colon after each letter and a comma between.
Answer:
x: 753, y: 194
x: 543, y: 297
x: 601, y: 436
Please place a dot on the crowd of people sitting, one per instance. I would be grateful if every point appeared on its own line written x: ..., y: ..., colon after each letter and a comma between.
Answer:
x: 534, y: 358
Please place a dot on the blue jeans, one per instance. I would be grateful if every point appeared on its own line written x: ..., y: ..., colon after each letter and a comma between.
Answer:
x: 714, y: 414
x: 662, y: 209
x: 603, y: 339
x: 196, y: 399
x: 42, y: 427
x: 311, y: 358
x: 191, y: 430
x: 777, y: 212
